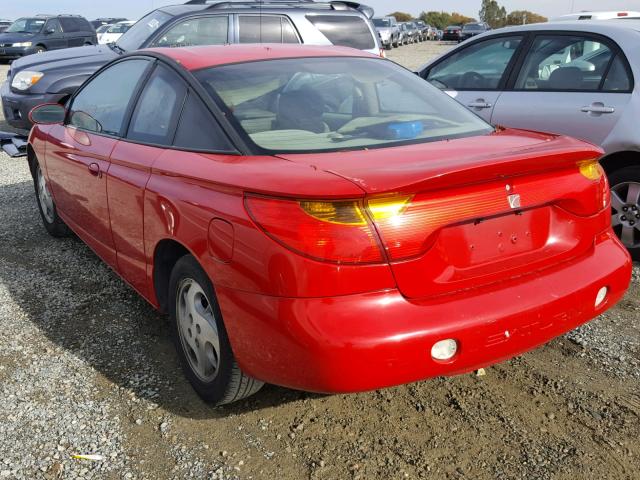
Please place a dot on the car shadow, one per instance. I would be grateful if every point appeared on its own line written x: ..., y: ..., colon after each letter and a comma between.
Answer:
x: 81, y: 305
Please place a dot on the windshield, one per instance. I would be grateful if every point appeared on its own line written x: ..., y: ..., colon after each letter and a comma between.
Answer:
x: 119, y: 28
x: 27, y: 25
x: 135, y: 37
x: 473, y: 26
x: 382, y: 22
x: 330, y: 104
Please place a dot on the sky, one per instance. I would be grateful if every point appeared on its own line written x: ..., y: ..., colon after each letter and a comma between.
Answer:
x: 133, y: 9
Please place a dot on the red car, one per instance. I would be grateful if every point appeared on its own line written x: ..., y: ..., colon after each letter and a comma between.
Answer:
x: 325, y: 220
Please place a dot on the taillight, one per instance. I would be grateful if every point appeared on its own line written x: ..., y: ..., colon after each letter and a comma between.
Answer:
x: 383, y: 54
x: 333, y: 231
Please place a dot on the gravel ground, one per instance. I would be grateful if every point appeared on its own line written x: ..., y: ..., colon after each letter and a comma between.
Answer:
x: 86, y: 367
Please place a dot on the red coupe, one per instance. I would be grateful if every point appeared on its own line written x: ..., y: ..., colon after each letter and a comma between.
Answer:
x: 321, y: 219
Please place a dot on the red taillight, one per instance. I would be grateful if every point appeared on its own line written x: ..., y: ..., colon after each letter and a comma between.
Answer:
x: 334, y: 231
x: 623, y: 14
x: 383, y: 54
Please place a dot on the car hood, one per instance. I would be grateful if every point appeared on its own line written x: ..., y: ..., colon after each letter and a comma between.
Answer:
x: 443, y: 164
x: 15, y: 37
x: 68, y: 57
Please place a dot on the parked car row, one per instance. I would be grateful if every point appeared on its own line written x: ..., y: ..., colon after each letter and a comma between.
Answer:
x: 394, y: 34
x: 323, y: 219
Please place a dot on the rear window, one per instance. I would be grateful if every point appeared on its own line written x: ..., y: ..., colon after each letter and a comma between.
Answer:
x: 344, y: 31
x: 266, y: 29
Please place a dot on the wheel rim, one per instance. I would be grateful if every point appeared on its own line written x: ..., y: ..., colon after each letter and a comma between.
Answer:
x: 44, y: 197
x: 198, y: 330
x: 625, y: 218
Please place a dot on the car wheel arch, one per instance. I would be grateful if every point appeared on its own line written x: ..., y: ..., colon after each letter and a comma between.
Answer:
x: 166, y: 254
x: 617, y: 160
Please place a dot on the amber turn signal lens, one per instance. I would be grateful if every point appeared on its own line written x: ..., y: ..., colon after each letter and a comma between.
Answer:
x: 591, y: 169
x: 342, y: 213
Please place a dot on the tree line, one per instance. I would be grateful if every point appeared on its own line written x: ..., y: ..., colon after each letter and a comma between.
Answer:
x: 491, y: 12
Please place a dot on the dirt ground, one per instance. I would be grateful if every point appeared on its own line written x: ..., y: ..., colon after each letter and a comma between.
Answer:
x: 86, y: 367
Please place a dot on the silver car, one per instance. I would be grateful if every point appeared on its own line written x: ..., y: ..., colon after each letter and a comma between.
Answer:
x: 573, y: 78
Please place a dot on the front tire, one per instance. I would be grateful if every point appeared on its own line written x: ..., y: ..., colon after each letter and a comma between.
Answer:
x: 201, y: 339
x: 625, y: 207
x: 47, y: 207
x: 40, y: 49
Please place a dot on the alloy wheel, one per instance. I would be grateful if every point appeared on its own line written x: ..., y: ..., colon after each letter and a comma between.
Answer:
x: 625, y: 219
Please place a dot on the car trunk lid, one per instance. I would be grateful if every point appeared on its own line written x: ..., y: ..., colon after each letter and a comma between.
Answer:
x: 464, y: 218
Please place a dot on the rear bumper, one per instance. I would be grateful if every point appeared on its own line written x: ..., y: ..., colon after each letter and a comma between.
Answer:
x: 16, y: 106
x: 379, y: 339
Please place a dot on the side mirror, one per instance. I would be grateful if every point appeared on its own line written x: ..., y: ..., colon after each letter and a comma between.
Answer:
x: 49, y: 31
x: 47, y: 114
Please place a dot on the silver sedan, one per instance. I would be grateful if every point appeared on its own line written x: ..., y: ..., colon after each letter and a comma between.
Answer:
x: 572, y: 78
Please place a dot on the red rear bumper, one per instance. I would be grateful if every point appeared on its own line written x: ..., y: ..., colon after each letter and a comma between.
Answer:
x: 368, y: 341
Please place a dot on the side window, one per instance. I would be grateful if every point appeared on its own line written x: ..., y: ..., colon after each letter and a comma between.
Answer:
x: 53, y: 25
x: 564, y: 62
x: 198, y: 129
x: 213, y: 30
x: 618, y: 77
x: 67, y: 24
x: 102, y: 104
x: 155, y: 115
x: 479, y: 66
x: 266, y: 29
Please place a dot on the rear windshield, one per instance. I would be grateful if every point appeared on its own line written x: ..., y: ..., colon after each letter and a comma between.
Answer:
x: 452, y: 28
x: 329, y: 104
x: 137, y: 35
x: 344, y: 31
x: 27, y: 25
x: 473, y: 26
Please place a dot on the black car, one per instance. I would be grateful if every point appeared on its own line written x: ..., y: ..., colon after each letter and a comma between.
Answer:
x: 38, y: 34
x: 472, y: 29
x: 98, y: 22
x: 52, y: 77
x: 4, y: 24
x: 452, y: 33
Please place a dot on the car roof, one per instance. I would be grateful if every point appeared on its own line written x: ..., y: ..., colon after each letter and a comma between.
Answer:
x: 600, y: 26
x: 195, y: 58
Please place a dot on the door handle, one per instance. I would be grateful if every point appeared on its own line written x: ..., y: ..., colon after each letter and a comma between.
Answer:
x: 480, y: 103
x: 94, y: 169
x: 597, y: 108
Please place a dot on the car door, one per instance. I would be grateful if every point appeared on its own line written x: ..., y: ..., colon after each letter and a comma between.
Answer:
x: 475, y: 74
x: 150, y: 133
x: 78, y: 160
x: 53, y: 35
x: 575, y: 84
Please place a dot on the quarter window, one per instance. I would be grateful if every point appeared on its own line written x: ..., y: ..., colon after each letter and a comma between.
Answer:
x: 479, y: 66
x: 344, y: 31
x: 618, y: 77
x: 198, y: 130
x: 102, y: 104
x: 154, y: 117
x: 213, y: 30
x: 266, y: 29
x: 564, y: 63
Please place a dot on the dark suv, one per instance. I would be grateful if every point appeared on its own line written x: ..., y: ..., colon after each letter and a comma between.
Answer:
x: 53, y: 76
x: 38, y: 34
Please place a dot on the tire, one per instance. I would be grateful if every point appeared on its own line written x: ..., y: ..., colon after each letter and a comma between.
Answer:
x: 40, y: 49
x: 47, y: 207
x: 625, y: 194
x: 86, y: 44
x: 201, y: 339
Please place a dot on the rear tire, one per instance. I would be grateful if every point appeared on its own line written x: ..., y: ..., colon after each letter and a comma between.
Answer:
x: 47, y: 207
x: 201, y: 339
x: 625, y: 207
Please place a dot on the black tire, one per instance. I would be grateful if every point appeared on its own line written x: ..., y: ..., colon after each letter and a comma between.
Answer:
x: 619, y: 181
x: 40, y: 49
x: 50, y: 219
x: 87, y: 44
x: 229, y: 383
